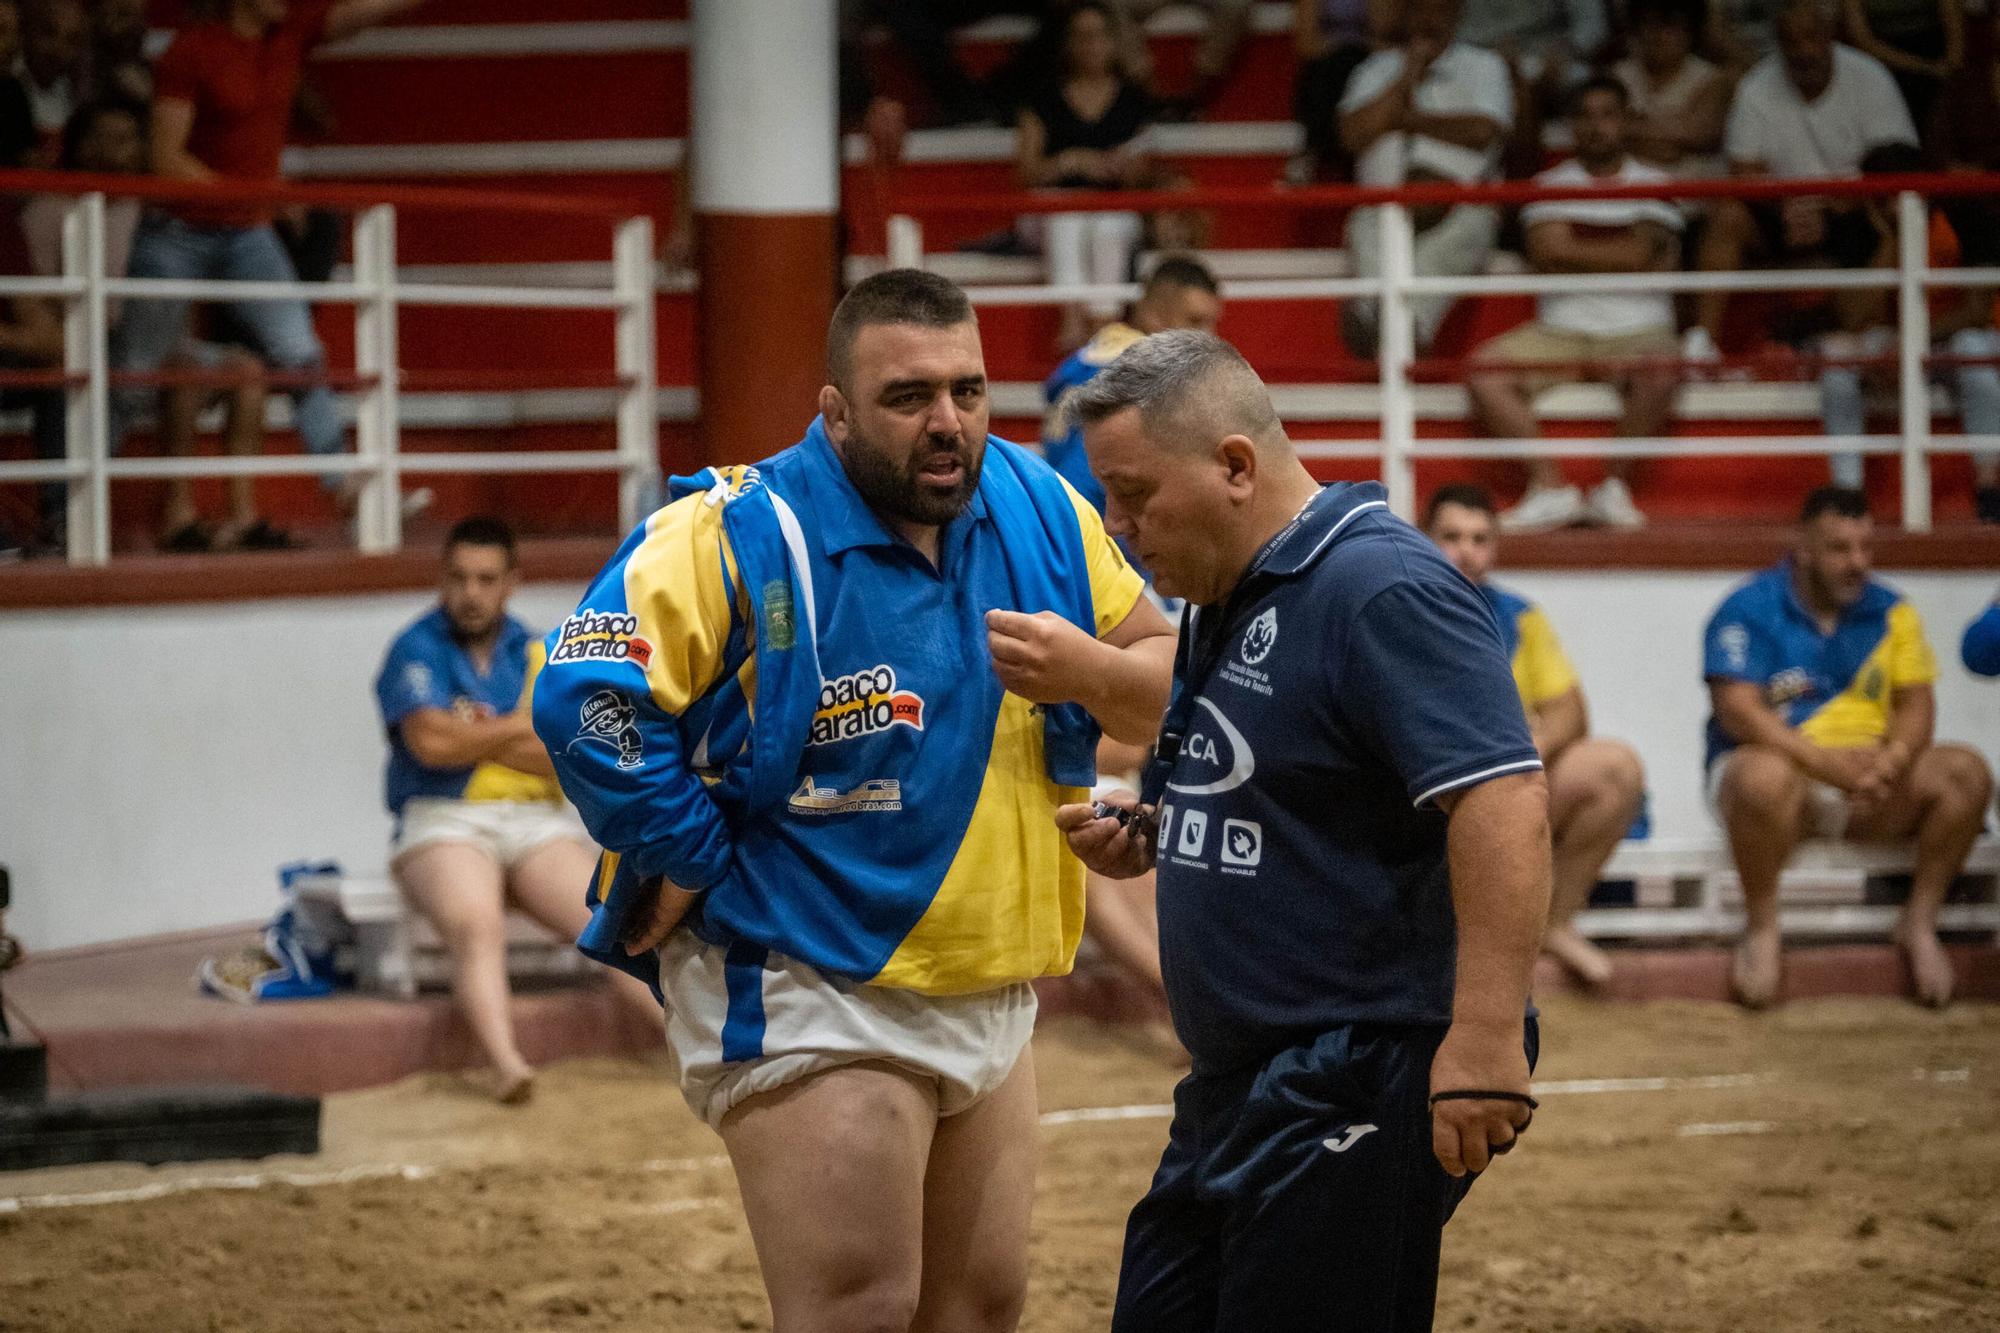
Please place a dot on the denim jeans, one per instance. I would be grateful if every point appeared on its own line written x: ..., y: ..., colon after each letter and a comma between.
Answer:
x: 1844, y: 413
x: 150, y: 330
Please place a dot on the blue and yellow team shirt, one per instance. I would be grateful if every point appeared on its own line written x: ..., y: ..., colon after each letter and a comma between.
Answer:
x: 917, y: 848
x: 426, y: 668
x: 1062, y: 440
x: 1542, y: 671
x: 1836, y: 689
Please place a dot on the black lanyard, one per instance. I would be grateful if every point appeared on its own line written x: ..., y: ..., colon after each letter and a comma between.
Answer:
x: 1193, y: 665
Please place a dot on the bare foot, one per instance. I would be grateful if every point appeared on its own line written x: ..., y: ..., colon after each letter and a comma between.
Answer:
x: 1590, y: 964
x: 1930, y: 966
x: 1757, y: 972
x: 514, y: 1088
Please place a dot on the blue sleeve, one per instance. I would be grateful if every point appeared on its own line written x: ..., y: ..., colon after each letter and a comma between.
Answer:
x: 1425, y: 682
x: 607, y: 708
x: 411, y: 679
x: 1981, y: 648
x: 1735, y: 646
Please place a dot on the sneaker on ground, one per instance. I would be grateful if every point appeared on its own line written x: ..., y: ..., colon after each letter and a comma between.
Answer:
x: 1611, y: 505
x: 1696, y: 345
x: 1540, y: 510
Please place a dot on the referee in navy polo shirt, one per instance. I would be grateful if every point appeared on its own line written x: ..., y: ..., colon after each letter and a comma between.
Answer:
x: 1350, y: 826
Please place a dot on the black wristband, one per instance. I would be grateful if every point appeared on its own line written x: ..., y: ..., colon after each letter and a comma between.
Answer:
x: 1480, y: 1095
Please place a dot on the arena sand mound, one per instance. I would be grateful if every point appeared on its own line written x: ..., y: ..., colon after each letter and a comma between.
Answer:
x: 1831, y: 1166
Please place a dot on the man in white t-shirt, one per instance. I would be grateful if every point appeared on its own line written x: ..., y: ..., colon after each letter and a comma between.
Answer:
x: 1591, y: 335
x: 1812, y: 110
x: 1433, y: 109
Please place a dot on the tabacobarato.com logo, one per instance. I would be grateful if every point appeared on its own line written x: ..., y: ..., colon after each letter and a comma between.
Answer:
x: 862, y: 703
x: 601, y: 636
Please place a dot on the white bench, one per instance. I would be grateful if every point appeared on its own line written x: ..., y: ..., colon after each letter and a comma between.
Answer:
x: 1688, y: 887
x: 397, y: 953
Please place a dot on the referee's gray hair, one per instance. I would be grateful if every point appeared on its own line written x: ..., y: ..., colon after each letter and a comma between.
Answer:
x: 1191, y: 388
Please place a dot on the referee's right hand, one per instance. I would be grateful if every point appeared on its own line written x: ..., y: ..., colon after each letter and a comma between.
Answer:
x: 1114, y: 849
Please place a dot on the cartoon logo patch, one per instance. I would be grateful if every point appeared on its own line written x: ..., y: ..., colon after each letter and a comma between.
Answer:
x: 862, y: 703
x: 610, y: 719
x: 608, y: 636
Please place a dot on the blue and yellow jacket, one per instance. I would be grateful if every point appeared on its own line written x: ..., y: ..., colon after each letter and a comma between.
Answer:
x: 1837, y: 689
x: 1062, y: 439
x: 769, y: 698
x: 1542, y: 671
x: 427, y: 668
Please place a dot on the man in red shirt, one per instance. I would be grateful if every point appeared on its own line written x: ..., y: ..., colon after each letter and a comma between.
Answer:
x: 221, y: 100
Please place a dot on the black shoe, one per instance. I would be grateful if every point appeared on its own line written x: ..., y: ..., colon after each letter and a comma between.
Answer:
x: 188, y: 539
x: 261, y: 536
x: 1986, y: 503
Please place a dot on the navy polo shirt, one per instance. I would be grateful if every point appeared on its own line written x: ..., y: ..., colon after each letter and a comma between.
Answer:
x: 1302, y: 879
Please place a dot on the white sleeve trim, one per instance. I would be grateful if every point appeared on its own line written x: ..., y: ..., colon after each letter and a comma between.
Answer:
x: 1471, y: 779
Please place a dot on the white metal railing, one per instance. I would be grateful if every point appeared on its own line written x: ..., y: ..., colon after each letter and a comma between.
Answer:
x: 1689, y: 888
x: 378, y: 297
x: 1399, y: 447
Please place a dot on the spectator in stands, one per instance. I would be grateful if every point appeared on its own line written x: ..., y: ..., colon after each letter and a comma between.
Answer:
x: 1081, y: 130
x: 108, y: 137
x: 118, y: 64
x: 55, y: 58
x: 1980, y: 649
x: 18, y: 136
x: 1920, y: 42
x: 1180, y: 293
x: 1820, y: 680
x: 1214, y: 59
x: 1740, y: 33
x: 1549, y: 46
x: 1595, y: 784
x: 1679, y: 101
x: 1331, y: 38
x: 923, y: 30
x: 480, y: 821
x: 1432, y: 109
x: 1600, y: 334
x: 31, y: 339
x: 223, y: 96
x: 1812, y: 110
x: 1547, y: 39
x: 1961, y: 325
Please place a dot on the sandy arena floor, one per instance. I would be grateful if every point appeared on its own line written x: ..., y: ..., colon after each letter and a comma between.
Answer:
x: 1843, y: 1174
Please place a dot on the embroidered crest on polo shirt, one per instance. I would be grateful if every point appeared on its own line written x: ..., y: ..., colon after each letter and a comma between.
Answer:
x: 1261, y: 637
x: 1258, y: 639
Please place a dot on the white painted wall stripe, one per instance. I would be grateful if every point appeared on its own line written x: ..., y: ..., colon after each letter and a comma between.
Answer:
x: 1702, y: 1082
x: 1083, y: 1115
x: 252, y: 1180
x: 1724, y: 1128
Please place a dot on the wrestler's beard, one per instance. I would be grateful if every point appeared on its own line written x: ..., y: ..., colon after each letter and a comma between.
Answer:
x: 899, y: 489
